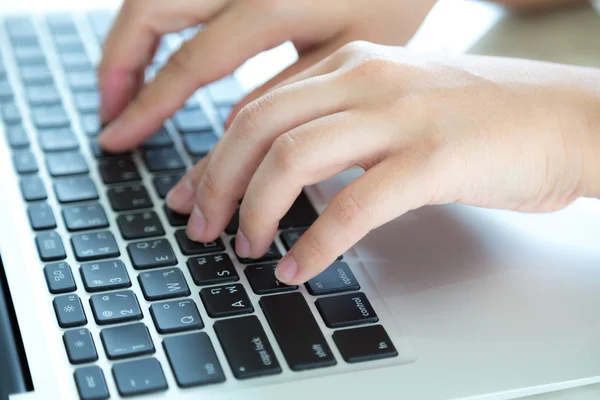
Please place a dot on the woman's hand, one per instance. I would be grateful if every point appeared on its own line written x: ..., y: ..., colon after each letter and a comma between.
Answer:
x: 427, y: 129
x: 234, y: 31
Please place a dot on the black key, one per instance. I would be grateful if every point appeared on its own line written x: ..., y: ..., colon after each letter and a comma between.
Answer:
x: 226, y: 91
x: 90, y: 124
x: 199, y: 143
x: 75, y: 189
x: 100, y: 153
x: 272, y: 254
x: 191, y: 248
x: 89, y: 216
x: 191, y: 121
x: 226, y: 301
x: 57, y: 139
x: 28, y: 55
x: 10, y: 114
x: 35, y: 74
x: 232, y: 227
x: 50, y: 246
x: 151, y: 254
x: 75, y: 61
x: 297, y: 331
x: 139, y: 377
x: 364, y: 344
x: 164, y: 183
x: 336, y: 278
x: 209, y: 270
x: 176, y: 219
x: 163, y: 284
x: 289, y: 238
x: 163, y: 159
x: 140, y: 225
x: 69, y: 311
x: 50, y: 117
x: 118, y: 170
x: 41, y: 216
x: 66, y: 163
x: 94, y: 246
x: 86, y: 101
x: 24, y: 162
x: 104, y: 275
x: 176, y: 316
x: 43, y: 95
x: 32, y: 188
x: 263, y: 281
x: 346, y: 310
x: 80, y: 346
x: 115, y: 307
x: 126, y: 198
x: 82, y: 80
x: 126, y: 341
x: 91, y: 384
x: 193, y: 360
x: 247, y: 347
x: 59, y: 278
x: 159, y: 139
x: 301, y: 214
x: 16, y: 136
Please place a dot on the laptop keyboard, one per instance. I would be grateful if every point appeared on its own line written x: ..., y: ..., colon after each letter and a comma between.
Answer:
x: 100, y: 219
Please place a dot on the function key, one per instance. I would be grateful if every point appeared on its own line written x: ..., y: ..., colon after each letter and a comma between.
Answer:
x: 335, y: 279
x: 272, y: 254
x: 41, y: 216
x: 226, y: 301
x: 191, y: 248
x: 126, y: 341
x: 364, y: 344
x: 164, y: 183
x: 50, y: 246
x: 118, y: 170
x: 104, y: 275
x: 263, y: 281
x: 10, y: 114
x: 69, y: 311
x: 191, y: 121
x: 24, y: 162
x: 90, y: 124
x: 163, y: 284
x: 32, y: 188
x: 175, y: 219
x: 80, y: 346
x: 50, y: 117
x: 91, y: 384
x: 57, y: 139
x: 199, y: 143
x: 75, y: 189
x: 139, y: 377
x: 94, y: 246
x: 163, y: 159
x: 82, y: 80
x: 59, y: 278
x: 115, y: 307
x: 151, y: 254
x: 140, y: 225
x: 212, y: 269
x: 159, y: 139
x: 66, y: 163
x: 193, y: 360
x: 176, y: 316
x: 16, y: 136
x: 42, y: 95
x: 126, y: 198
x: 86, y: 101
x: 346, y: 310
x: 35, y: 74
x: 226, y: 91
x: 84, y: 217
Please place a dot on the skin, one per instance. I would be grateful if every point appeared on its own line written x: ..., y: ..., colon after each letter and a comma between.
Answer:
x: 426, y: 128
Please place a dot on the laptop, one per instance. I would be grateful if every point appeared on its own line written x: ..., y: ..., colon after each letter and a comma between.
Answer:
x: 103, y: 295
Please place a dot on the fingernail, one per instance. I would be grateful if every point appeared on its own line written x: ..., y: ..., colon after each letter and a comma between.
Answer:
x: 196, y: 224
x: 286, y: 269
x: 242, y: 245
x: 181, y: 195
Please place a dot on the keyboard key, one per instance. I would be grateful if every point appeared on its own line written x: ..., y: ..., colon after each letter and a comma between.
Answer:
x: 301, y: 214
x: 163, y: 284
x: 75, y: 189
x: 176, y: 316
x: 68, y: 43
x: 140, y: 225
x: 32, y: 188
x: 75, y: 61
x: 126, y: 341
x: 213, y: 269
x: 90, y: 124
x: 29, y: 55
x: 66, y: 163
x: 191, y: 121
x: 191, y: 248
x: 139, y: 377
x: 126, y: 198
x: 57, y: 139
x: 364, y: 344
x: 346, y: 310
x: 80, y: 346
x: 115, y: 307
x: 91, y: 384
x: 104, y: 275
x: 118, y: 170
x: 247, y: 347
x: 160, y: 139
x: 20, y: 26
x: 226, y: 91
x: 84, y: 217
x: 232, y: 226
x: 151, y: 254
x: 6, y: 92
x: 10, y: 114
x: 35, y: 74
x: 200, y: 143
x: 94, y: 246
x: 50, y: 117
x: 82, y: 80
x: 99, y: 153
x: 59, y: 278
x: 297, y: 331
x: 163, y: 159
x: 289, y: 238
x: 41, y: 216
x: 263, y: 281
x: 164, y: 183
x: 69, y: 311
x: 176, y: 219
x: 335, y: 279
x: 24, y: 162
x: 86, y: 101
x: 42, y: 95
x: 16, y: 136
x: 193, y: 360
x: 272, y: 254
x: 50, y: 246
x: 61, y: 23
x: 226, y: 301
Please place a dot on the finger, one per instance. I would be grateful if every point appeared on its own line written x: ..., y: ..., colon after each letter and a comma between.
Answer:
x: 388, y: 190
x: 214, y: 52
x: 182, y: 196
x: 240, y: 151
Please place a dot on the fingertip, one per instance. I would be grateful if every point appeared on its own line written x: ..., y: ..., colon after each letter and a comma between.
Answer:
x: 181, y: 198
x: 287, y: 269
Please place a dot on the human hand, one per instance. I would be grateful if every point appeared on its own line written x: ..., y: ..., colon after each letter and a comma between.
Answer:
x: 427, y: 129
x: 234, y: 31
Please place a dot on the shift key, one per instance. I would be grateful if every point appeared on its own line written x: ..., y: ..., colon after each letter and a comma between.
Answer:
x: 297, y: 332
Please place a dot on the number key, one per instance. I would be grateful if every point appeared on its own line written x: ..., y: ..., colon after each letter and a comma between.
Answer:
x: 94, y: 246
x: 140, y: 225
x: 78, y: 218
x: 115, y: 307
x: 104, y: 275
x: 125, y: 198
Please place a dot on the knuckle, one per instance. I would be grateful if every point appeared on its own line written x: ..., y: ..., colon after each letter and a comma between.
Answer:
x: 348, y: 208
x: 286, y: 153
x: 251, y: 116
x: 182, y: 62
x: 374, y: 66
